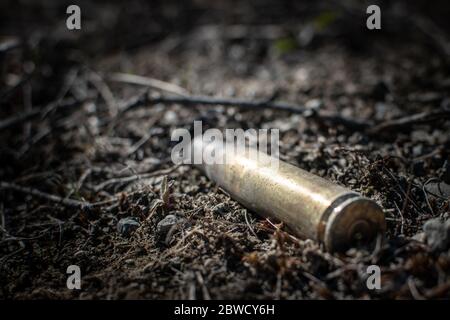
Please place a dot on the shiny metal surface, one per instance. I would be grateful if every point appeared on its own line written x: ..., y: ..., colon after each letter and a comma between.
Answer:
x: 310, y: 206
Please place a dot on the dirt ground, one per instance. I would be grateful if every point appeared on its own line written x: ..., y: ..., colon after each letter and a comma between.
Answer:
x: 64, y: 134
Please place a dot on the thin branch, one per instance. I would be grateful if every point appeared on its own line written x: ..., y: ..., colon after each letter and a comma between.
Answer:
x: 23, y: 117
x: 9, y: 45
x: 146, y: 137
x: 249, y: 225
x: 145, y: 99
x: 67, y: 85
x: 133, y: 178
x: 139, y: 144
x: 351, y: 124
x: 105, y: 92
x: 53, y: 198
x: 35, y: 112
x: 148, y: 82
x: 408, y: 121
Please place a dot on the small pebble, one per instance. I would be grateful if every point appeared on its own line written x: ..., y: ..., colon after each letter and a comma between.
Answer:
x: 126, y: 226
x: 165, y: 224
x: 437, y: 234
x: 314, y: 104
x: 129, y: 261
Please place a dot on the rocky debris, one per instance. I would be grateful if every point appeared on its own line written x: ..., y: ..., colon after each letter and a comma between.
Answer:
x: 127, y: 225
x: 437, y: 234
x: 439, y: 189
x: 166, y: 224
x: 420, y: 237
x: 312, y: 106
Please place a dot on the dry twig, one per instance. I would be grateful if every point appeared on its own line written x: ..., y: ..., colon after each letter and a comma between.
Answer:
x: 53, y: 198
x: 149, y: 82
x: 409, y: 121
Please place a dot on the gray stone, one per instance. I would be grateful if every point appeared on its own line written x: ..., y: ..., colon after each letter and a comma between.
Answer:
x: 127, y: 225
x: 314, y: 104
x: 420, y: 237
x: 437, y: 234
x: 165, y: 224
x: 438, y: 189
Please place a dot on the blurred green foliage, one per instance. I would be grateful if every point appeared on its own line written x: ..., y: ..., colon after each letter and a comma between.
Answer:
x: 325, y: 19
x: 285, y: 45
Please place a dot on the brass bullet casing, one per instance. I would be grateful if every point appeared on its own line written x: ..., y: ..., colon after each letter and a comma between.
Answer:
x: 310, y: 206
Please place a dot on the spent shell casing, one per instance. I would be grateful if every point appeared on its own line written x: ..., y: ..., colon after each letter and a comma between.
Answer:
x: 310, y: 206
